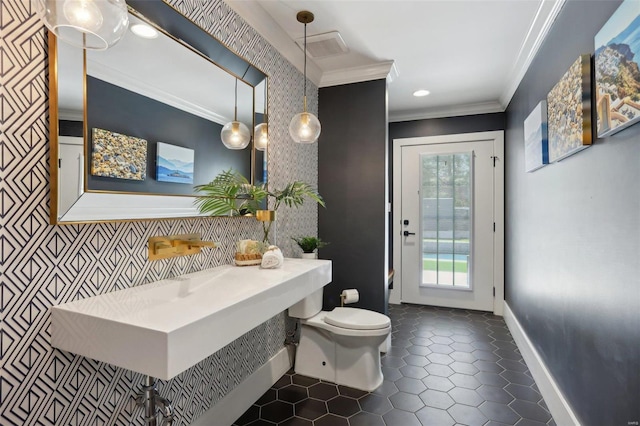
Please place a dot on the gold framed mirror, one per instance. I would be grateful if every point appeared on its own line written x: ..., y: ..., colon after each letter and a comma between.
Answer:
x: 117, y: 116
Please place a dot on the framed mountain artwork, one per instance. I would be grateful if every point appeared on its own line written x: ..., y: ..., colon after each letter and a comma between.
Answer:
x: 617, y: 60
x: 174, y: 164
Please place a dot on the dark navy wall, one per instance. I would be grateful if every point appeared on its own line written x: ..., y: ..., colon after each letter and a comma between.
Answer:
x: 351, y: 177
x: 447, y: 125
x: 573, y: 242
x: 119, y: 110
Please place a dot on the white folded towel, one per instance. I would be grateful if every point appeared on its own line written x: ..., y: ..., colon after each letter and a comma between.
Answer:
x: 272, y: 258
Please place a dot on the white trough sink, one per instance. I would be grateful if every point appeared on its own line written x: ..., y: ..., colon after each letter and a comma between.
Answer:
x: 165, y: 327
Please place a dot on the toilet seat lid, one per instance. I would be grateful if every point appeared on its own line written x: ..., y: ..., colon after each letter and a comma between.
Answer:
x: 357, y: 319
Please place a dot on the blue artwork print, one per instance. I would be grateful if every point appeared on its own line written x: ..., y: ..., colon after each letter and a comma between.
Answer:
x: 536, y: 143
x: 617, y: 60
x: 174, y: 164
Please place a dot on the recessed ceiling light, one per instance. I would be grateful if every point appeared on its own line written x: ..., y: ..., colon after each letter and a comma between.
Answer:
x: 144, y: 31
x: 421, y: 92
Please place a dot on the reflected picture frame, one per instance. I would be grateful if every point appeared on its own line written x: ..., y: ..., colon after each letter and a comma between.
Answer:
x: 118, y: 156
x: 174, y: 164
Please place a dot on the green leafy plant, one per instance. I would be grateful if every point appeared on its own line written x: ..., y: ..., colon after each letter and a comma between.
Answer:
x: 232, y: 194
x: 309, y: 244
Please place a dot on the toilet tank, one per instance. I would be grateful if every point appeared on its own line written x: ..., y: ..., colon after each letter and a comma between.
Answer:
x: 307, y: 307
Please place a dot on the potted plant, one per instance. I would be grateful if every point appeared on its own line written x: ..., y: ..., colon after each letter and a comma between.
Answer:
x: 309, y: 245
x: 232, y: 194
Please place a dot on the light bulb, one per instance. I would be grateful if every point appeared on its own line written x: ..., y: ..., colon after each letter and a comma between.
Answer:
x: 261, y: 136
x: 89, y: 24
x: 83, y: 14
x: 235, y: 135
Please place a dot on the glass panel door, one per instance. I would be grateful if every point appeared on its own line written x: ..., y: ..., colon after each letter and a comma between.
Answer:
x: 446, y: 201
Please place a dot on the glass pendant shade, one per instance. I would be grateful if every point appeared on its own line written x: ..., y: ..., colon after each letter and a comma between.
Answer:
x: 89, y: 24
x: 235, y: 135
x: 305, y: 128
x: 261, y: 136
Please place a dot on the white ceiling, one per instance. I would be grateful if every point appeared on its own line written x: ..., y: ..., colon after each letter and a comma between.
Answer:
x: 470, y: 54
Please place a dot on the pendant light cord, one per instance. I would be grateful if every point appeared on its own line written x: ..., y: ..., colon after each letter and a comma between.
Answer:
x: 235, y: 114
x: 305, y: 67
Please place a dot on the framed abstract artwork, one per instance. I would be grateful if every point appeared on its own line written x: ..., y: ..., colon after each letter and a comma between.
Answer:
x: 617, y: 60
x: 174, y: 163
x: 118, y: 156
x: 569, y: 111
x: 536, y: 143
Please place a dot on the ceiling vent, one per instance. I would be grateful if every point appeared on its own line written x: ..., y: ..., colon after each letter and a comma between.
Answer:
x: 324, y: 45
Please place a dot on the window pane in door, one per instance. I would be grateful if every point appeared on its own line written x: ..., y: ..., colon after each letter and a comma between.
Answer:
x: 446, y: 203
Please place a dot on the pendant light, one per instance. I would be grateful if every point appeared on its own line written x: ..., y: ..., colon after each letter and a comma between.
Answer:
x: 305, y: 127
x: 235, y: 135
x: 89, y: 24
x: 261, y: 131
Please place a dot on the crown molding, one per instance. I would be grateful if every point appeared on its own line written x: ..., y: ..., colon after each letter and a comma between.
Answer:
x: 386, y: 69
x: 136, y: 85
x: 540, y: 26
x: 451, y: 111
x: 267, y: 27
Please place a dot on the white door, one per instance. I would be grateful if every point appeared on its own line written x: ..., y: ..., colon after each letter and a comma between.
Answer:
x: 448, y: 189
x: 70, y: 171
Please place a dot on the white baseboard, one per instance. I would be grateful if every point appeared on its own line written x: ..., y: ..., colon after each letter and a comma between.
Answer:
x: 236, y: 402
x: 558, y: 405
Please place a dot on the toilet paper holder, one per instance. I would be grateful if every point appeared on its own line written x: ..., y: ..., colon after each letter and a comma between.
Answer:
x: 349, y: 296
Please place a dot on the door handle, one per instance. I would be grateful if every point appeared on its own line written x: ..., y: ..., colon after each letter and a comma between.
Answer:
x: 407, y: 233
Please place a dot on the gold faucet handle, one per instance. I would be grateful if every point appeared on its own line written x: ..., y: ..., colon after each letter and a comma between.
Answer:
x: 176, y: 245
x: 162, y: 248
x: 200, y: 243
x: 194, y: 243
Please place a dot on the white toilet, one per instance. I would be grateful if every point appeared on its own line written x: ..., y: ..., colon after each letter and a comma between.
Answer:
x: 341, y: 346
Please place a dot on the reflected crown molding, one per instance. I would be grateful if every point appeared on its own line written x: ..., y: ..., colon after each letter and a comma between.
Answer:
x: 140, y: 87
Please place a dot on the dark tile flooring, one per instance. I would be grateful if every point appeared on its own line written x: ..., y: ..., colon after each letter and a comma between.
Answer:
x: 445, y: 367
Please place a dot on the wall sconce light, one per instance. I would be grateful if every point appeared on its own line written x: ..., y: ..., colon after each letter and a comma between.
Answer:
x: 89, y: 24
x: 305, y: 127
x: 235, y: 135
x: 261, y: 131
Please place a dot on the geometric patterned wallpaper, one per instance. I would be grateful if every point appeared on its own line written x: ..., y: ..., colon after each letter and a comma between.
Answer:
x: 43, y: 265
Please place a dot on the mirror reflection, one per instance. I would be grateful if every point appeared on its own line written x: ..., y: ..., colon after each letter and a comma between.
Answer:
x: 260, y: 169
x: 149, y: 125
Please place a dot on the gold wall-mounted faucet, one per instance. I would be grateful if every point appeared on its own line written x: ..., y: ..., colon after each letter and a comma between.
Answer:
x: 176, y: 245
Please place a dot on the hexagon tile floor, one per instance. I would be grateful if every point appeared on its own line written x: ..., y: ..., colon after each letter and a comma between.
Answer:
x: 445, y: 367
